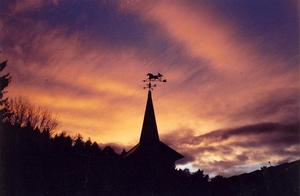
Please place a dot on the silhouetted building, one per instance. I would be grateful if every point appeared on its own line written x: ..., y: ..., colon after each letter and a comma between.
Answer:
x: 150, y: 152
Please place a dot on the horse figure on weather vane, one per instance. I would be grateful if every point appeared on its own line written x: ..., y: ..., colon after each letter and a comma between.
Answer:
x: 152, y: 78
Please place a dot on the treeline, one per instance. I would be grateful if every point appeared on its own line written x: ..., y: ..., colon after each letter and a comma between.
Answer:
x: 34, y: 163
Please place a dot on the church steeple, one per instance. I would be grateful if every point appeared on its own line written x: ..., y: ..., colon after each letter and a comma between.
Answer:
x: 149, y: 132
x: 150, y: 151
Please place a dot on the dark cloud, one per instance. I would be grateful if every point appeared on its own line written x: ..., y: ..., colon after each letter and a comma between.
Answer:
x: 230, y: 151
x: 242, y: 157
x: 187, y: 158
x: 282, y: 105
x: 256, y: 129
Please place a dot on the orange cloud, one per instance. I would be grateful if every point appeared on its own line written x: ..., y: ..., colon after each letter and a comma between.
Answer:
x: 217, y: 78
x: 242, y: 74
x: 112, y: 91
x: 109, y: 75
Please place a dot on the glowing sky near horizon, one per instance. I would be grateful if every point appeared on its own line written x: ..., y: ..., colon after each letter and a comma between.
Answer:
x: 231, y: 103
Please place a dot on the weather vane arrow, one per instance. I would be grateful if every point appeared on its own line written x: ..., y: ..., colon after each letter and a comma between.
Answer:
x: 153, y: 78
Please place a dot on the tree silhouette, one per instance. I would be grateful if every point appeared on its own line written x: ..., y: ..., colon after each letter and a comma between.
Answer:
x: 4, y: 81
x: 22, y: 113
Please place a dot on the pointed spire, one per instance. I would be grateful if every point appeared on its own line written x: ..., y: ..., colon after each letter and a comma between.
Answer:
x: 149, y: 130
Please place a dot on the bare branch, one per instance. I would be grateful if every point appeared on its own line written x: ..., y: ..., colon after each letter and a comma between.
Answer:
x: 22, y: 113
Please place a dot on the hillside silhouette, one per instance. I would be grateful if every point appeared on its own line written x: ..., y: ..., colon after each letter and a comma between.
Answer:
x: 36, y: 162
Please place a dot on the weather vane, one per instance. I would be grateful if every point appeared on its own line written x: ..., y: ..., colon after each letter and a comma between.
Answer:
x: 152, y: 78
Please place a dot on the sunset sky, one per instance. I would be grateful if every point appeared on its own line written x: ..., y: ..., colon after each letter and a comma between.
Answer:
x: 231, y: 103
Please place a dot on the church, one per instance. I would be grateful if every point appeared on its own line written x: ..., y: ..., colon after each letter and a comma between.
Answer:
x: 150, y: 152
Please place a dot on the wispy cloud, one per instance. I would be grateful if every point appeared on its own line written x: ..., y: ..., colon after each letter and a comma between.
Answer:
x: 226, y: 67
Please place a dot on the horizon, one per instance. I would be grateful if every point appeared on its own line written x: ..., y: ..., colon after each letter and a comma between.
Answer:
x: 232, y: 70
